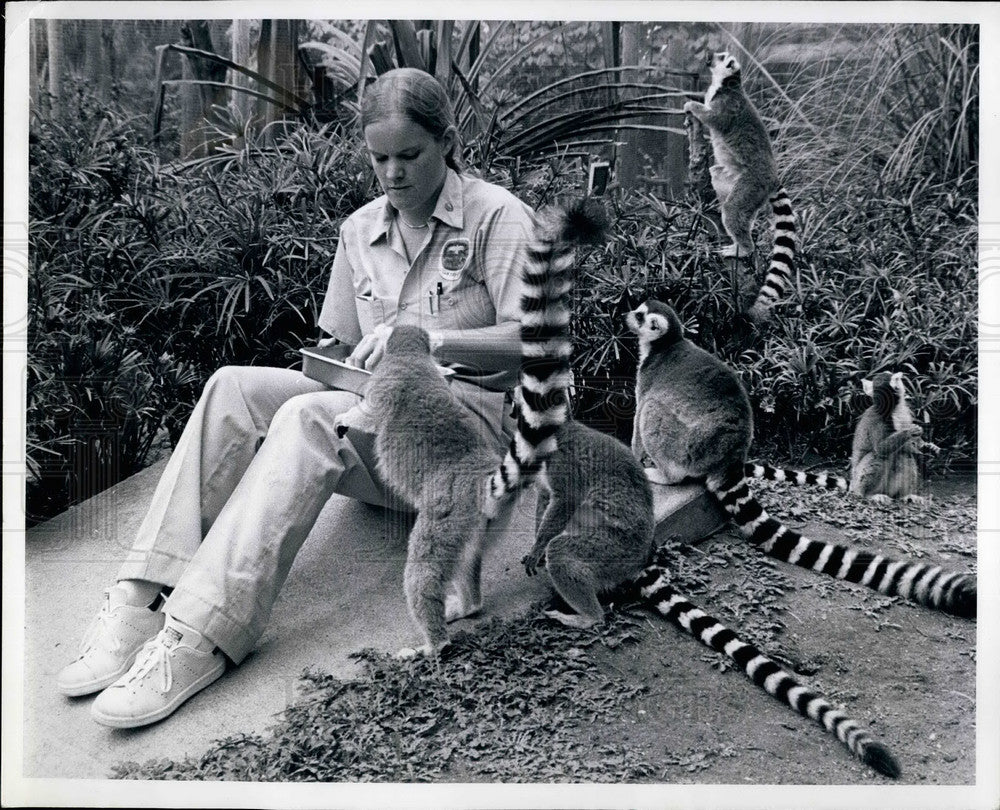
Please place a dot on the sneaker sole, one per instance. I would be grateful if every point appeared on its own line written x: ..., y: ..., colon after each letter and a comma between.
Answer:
x: 144, y: 720
x: 98, y: 684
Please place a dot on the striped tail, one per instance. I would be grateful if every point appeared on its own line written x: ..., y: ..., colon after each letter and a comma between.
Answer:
x: 927, y: 584
x: 824, y: 480
x: 541, y: 399
x: 778, y: 282
x: 654, y: 587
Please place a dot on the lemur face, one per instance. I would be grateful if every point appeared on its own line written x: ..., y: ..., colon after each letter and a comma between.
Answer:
x: 897, y: 384
x: 886, y: 390
x: 724, y: 65
x: 652, y: 321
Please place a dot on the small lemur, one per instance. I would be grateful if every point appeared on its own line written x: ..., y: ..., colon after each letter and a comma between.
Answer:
x: 693, y: 420
x: 432, y: 454
x: 596, y: 528
x: 887, y: 443
x: 745, y: 177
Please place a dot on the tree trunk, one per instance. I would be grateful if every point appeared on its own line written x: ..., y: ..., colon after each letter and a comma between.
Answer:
x: 699, y: 182
x: 39, y: 60
x: 630, y: 159
x: 442, y: 63
x: 197, y: 100
x: 278, y: 60
x: 674, y: 148
x: 240, y: 54
x: 53, y: 39
x: 95, y: 58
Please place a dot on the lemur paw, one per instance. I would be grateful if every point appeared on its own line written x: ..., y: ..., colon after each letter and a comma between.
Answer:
x: 576, y: 620
x: 736, y: 250
x: 880, y: 497
x: 425, y: 651
x: 917, y: 499
x: 455, y: 608
x: 531, y: 562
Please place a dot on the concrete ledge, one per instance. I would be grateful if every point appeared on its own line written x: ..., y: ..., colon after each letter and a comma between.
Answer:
x: 685, y: 514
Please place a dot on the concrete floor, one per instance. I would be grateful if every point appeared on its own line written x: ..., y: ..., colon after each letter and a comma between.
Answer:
x: 343, y: 594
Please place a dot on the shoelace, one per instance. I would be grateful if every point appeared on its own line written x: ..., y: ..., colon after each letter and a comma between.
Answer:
x: 101, y: 629
x: 155, y: 654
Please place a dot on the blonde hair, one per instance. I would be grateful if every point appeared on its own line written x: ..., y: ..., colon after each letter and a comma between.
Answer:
x: 417, y: 96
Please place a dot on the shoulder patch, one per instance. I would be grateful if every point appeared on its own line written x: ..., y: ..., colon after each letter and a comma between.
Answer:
x: 454, y: 258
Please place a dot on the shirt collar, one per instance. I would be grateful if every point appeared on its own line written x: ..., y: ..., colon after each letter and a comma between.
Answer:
x: 449, y: 208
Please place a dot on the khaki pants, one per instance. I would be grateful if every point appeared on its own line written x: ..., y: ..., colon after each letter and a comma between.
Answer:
x: 256, y: 463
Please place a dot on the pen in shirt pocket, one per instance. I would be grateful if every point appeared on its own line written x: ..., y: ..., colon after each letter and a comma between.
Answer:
x: 440, y: 292
x: 430, y: 302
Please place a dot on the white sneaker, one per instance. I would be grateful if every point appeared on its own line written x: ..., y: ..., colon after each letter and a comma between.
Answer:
x: 169, y: 669
x: 109, y: 646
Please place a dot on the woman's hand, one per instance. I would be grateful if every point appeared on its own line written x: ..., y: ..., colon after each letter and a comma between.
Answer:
x: 369, y: 351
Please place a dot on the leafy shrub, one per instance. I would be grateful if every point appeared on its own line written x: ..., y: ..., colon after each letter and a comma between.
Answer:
x: 96, y: 394
x: 146, y: 278
x: 887, y: 259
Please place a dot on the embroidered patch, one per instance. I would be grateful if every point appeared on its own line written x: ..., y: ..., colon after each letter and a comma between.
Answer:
x: 454, y: 259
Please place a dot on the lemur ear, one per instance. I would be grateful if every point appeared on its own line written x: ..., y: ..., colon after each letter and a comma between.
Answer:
x: 869, y: 387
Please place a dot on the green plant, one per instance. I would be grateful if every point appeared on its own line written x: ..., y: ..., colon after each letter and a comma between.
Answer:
x: 484, y: 66
x: 887, y: 256
x: 97, y: 395
x: 146, y: 278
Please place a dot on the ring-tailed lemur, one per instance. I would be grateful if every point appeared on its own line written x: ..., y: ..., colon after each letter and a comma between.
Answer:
x: 596, y: 528
x: 886, y: 443
x: 745, y: 177
x: 693, y: 419
x: 823, y: 480
x: 431, y: 452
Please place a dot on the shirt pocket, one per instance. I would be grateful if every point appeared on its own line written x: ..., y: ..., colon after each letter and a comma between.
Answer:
x: 468, y: 306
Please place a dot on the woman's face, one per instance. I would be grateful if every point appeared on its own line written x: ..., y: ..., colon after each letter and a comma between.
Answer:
x: 409, y: 163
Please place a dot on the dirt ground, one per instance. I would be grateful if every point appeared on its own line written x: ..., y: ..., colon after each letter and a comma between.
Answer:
x: 906, y: 673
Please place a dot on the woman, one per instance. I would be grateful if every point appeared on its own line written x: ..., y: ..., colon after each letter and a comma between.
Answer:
x: 441, y: 250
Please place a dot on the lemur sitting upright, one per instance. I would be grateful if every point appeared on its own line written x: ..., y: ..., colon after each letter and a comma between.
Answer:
x: 745, y: 177
x: 887, y: 443
x: 693, y: 419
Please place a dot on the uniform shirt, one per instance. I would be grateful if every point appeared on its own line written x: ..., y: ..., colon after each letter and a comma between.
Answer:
x: 467, y: 275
